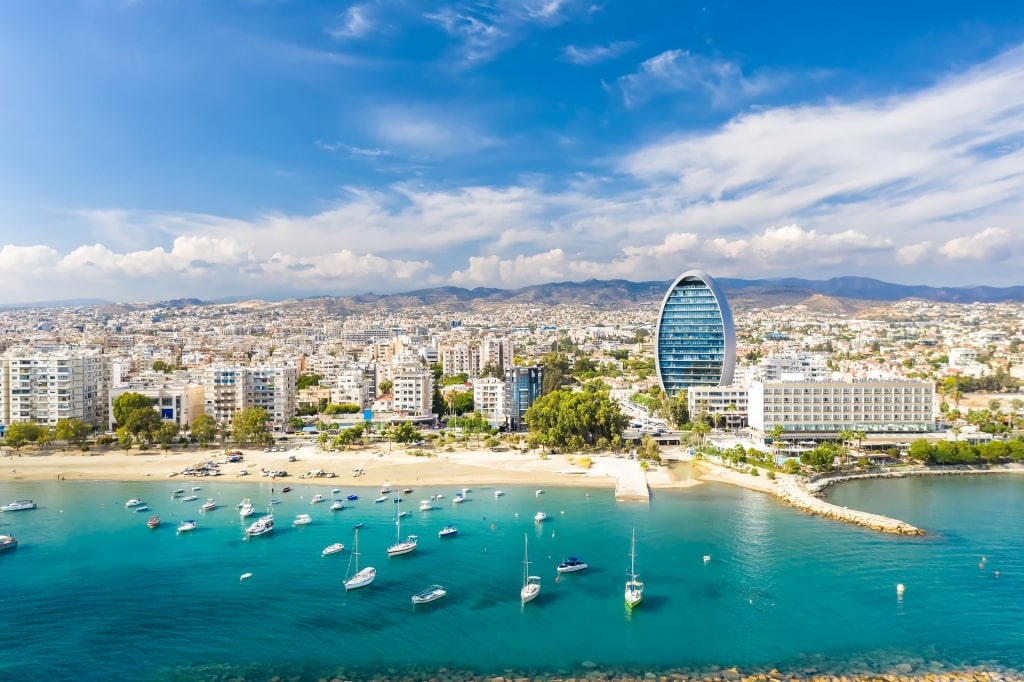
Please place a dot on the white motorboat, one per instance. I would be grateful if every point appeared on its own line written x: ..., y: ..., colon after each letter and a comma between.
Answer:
x: 425, y: 505
x: 262, y: 526
x: 18, y: 505
x: 499, y: 493
x: 209, y: 504
x: 540, y: 516
x: 363, y: 577
x: 316, y: 498
x: 196, y: 487
x: 332, y: 549
x: 132, y: 503
x: 466, y: 491
x: 302, y: 520
x: 382, y: 498
x: 432, y: 593
x: 571, y: 565
x: 187, y: 525
x: 399, y: 546
x: 247, y: 510
x: 177, y: 493
x: 538, y: 493
x: 245, y: 501
x: 336, y: 491
x: 141, y: 508
x: 634, y: 588
x: 337, y: 505
x: 385, y: 489
x: 402, y: 514
x: 458, y: 499
x: 190, y: 498
x: 7, y: 543
x: 531, y: 583
x: 448, y: 531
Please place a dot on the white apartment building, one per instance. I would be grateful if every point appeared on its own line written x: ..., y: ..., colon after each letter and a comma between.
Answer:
x: 811, y: 366
x: 496, y: 351
x: 47, y: 387
x: 232, y: 388
x: 489, y: 399
x: 351, y: 386
x: 728, y: 402
x: 412, y: 389
x: 460, y: 358
x: 176, y: 401
x: 827, y: 407
x: 962, y: 358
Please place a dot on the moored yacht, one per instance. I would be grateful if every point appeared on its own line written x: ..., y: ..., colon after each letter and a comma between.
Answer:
x: 540, y: 516
x: 432, y: 593
x: 332, y: 549
x: 382, y: 498
x: 399, y: 546
x: 7, y: 543
x: 261, y: 526
x: 302, y: 520
x: 247, y: 510
x: 363, y: 577
x: 190, y: 498
x: 425, y: 505
x: 448, y: 531
x: 153, y: 522
x: 132, y: 503
x: 571, y: 564
x: 337, y: 505
x: 209, y: 504
x: 187, y: 525
x: 458, y: 499
x: 316, y: 498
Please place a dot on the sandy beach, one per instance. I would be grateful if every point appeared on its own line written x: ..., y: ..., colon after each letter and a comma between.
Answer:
x: 454, y: 465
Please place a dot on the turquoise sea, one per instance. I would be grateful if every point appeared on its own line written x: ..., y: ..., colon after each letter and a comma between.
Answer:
x: 93, y: 594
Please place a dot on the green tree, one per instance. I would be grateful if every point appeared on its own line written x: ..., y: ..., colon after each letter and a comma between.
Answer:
x: 166, y: 434
x: 71, y: 431
x: 127, y: 403
x: 776, y: 435
x: 921, y: 451
x: 304, y: 381
x: 204, y: 428
x: 677, y: 411
x: 575, y: 419
x: 296, y: 423
x: 250, y: 426
x: 19, y: 433
x: 125, y: 438
x: 46, y: 435
x: 161, y: 366
x: 556, y: 371
x: 144, y: 424
x: 493, y: 370
x: 455, y: 379
x: 649, y: 449
x: 342, y: 408
x: 385, y: 387
x: 700, y: 429
x: 405, y: 433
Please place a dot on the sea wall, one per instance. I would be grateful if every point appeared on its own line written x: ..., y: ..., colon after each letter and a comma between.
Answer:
x: 823, y: 481
x: 793, y: 492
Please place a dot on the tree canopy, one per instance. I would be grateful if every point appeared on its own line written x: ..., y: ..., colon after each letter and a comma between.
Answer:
x: 127, y: 403
x: 304, y: 381
x: 576, y: 419
x: 204, y: 428
x: 19, y: 433
x: 250, y: 426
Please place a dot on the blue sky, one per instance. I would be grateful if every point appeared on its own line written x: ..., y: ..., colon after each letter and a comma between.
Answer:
x: 161, y: 148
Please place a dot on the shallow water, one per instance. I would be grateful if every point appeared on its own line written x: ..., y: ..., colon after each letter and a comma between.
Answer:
x: 92, y: 593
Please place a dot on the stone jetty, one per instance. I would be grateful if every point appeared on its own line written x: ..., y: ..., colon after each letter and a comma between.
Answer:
x: 791, y: 491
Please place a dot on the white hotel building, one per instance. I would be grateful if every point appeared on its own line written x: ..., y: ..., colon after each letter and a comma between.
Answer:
x: 823, y: 408
x: 230, y: 389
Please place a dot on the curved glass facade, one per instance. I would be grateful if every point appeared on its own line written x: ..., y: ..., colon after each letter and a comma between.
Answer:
x: 695, y: 340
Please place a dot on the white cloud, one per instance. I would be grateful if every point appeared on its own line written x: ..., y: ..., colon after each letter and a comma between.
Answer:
x: 680, y: 71
x: 355, y: 23
x: 482, y: 30
x: 585, y: 56
x: 924, y: 186
x: 991, y: 244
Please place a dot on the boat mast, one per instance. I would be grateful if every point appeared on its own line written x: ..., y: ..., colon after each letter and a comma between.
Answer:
x: 632, y: 560
x: 526, y: 559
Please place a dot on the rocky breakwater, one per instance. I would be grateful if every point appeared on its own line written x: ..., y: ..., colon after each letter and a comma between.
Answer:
x: 790, y: 490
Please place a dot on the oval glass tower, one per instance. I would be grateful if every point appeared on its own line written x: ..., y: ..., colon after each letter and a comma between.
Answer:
x: 695, y: 342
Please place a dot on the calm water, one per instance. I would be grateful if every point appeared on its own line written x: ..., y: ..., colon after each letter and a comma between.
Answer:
x: 92, y: 593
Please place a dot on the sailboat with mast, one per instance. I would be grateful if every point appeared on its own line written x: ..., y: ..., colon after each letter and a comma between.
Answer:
x: 531, y: 583
x: 364, y: 577
x: 634, y: 588
x: 400, y: 546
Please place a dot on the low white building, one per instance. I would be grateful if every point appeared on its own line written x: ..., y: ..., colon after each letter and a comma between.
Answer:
x: 724, y: 402
x: 824, y: 408
x: 176, y: 401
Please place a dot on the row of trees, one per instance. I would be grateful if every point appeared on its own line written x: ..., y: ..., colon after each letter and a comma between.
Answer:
x: 70, y: 431
x: 576, y: 420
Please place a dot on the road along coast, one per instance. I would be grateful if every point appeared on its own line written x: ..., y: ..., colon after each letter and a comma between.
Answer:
x: 819, y: 483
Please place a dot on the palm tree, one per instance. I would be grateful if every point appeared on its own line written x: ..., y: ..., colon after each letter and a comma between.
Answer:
x: 776, y: 436
x: 844, y: 437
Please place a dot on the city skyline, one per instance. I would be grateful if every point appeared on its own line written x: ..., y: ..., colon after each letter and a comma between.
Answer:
x: 164, y: 150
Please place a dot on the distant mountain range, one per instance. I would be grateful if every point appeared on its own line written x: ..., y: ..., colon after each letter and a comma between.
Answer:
x: 747, y: 293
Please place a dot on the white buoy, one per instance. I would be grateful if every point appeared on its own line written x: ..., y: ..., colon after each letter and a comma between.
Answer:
x: 707, y: 558
x: 900, y: 588
x: 245, y: 576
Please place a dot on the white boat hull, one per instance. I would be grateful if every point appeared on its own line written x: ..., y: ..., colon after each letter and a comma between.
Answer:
x: 361, y: 579
x: 401, y: 548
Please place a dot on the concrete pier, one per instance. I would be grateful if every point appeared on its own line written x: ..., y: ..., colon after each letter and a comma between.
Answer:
x: 631, y: 482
